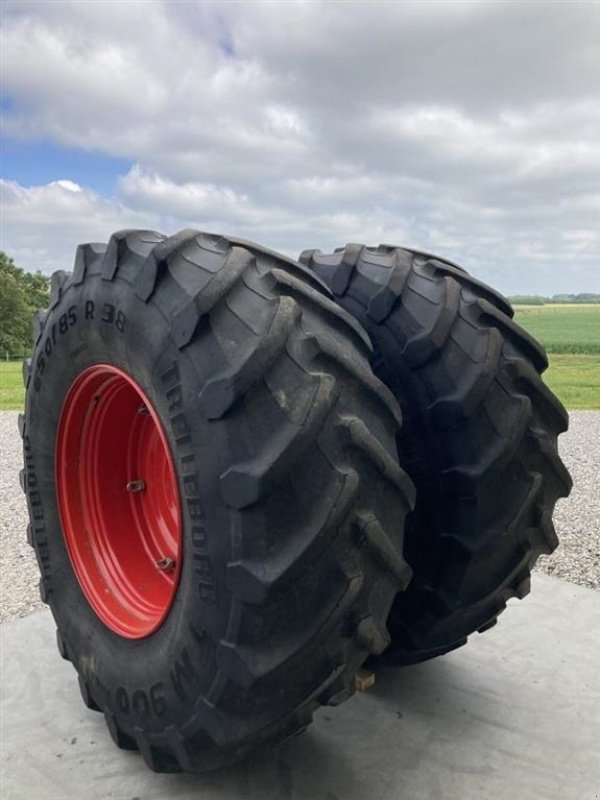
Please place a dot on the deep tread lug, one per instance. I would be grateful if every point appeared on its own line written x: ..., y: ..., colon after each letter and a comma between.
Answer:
x: 86, y: 695
x: 488, y: 625
x: 454, y: 409
x: 58, y: 282
x: 295, y: 287
x: 86, y: 256
x: 547, y: 448
x: 421, y: 348
x: 523, y: 586
x: 306, y: 257
x: 383, y: 301
x: 62, y: 647
x: 122, y: 740
x: 26, y: 371
x: 358, y: 436
x: 44, y: 593
x: 526, y: 377
x: 185, y: 323
x: 39, y: 319
x: 464, y: 478
x: 243, y: 484
x: 250, y: 665
x: 343, y: 272
x: 325, y: 347
x: 253, y: 581
x: 523, y: 340
x: 158, y: 759
x: 222, y: 391
x: 440, y: 267
x: 341, y: 691
x: 158, y: 260
x: 547, y: 528
x: 377, y: 538
x: 135, y: 243
x: 372, y: 636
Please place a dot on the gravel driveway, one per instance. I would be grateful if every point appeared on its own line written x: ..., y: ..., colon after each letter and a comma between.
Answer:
x: 577, y: 518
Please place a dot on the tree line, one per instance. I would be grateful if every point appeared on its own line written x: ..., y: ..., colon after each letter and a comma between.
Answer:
x: 541, y: 300
x: 22, y: 293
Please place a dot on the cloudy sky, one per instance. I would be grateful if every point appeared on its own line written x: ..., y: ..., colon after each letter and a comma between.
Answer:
x: 468, y: 129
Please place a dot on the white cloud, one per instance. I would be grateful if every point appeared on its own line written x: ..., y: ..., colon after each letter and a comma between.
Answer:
x: 41, y: 225
x: 470, y: 128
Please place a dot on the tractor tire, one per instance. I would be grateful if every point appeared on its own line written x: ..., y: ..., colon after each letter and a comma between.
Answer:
x: 479, y: 437
x: 215, y: 499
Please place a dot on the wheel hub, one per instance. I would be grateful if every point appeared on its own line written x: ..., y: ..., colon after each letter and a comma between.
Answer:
x: 118, y: 501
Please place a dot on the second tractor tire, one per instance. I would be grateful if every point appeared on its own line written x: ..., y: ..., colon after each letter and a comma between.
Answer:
x: 479, y: 437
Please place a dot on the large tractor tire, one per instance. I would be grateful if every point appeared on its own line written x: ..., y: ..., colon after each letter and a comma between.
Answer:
x: 215, y: 499
x: 479, y: 437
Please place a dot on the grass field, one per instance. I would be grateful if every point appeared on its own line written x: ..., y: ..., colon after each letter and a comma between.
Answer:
x: 570, y: 334
x: 575, y: 378
x: 11, y: 386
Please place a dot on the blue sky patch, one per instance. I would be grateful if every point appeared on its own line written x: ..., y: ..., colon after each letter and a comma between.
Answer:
x: 38, y: 163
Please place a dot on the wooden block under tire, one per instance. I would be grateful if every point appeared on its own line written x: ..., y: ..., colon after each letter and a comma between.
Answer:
x: 364, y: 680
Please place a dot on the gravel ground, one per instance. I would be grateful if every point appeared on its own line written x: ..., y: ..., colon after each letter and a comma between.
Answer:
x: 19, y: 575
x: 577, y: 518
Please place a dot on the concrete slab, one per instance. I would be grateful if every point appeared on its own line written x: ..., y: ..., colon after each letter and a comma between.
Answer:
x: 515, y: 714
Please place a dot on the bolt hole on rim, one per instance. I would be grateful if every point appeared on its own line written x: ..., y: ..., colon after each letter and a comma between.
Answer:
x: 118, y: 501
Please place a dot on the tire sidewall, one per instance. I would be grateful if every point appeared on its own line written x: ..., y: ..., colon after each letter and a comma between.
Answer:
x: 146, y: 683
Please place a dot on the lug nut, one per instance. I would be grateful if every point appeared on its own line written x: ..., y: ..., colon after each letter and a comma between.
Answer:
x: 136, y: 486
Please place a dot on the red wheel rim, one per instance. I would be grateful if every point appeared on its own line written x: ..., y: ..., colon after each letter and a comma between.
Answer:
x: 118, y: 501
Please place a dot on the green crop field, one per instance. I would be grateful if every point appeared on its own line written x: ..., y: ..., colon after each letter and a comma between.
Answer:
x: 563, y: 328
x: 570, y: 334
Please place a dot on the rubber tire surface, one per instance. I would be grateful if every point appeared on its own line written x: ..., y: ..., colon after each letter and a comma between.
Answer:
x: 293, y: 499
x: 479, y: 437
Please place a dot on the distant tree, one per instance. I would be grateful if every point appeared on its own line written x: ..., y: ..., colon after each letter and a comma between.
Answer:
x: 540, y: 300
x: 583, y: 297
x: 21, y: 295
x: 528, y: 300
x: 14, y: 312
x: 37, y: 289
